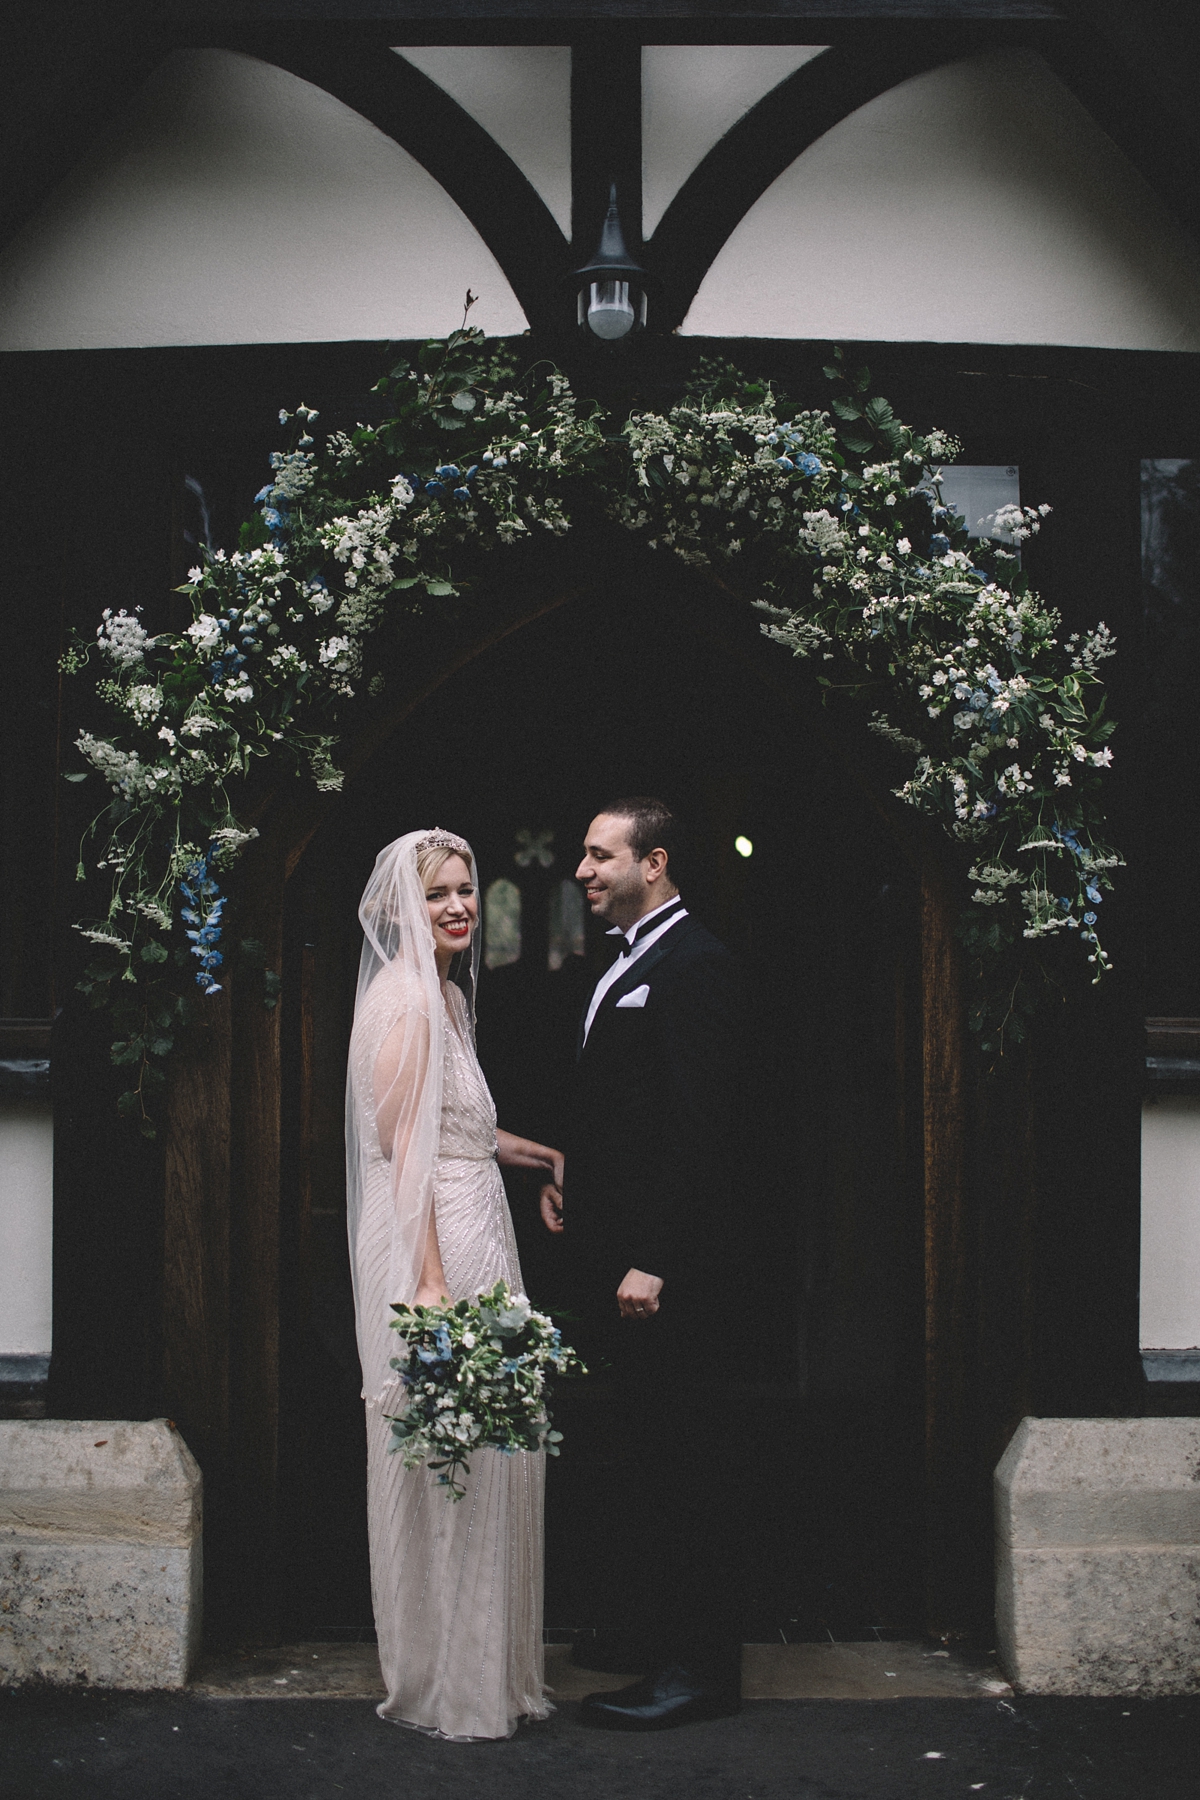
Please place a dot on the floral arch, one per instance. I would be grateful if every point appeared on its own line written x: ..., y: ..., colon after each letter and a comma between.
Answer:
x: 830, y: 522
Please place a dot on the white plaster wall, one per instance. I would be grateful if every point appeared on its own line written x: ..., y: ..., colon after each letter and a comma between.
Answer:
x: 521, y: 94
x: 691, y: 95
x: 26, y: 1200
x: 1170, y: 1292
x: 980, y: 203
x: 233, y: 203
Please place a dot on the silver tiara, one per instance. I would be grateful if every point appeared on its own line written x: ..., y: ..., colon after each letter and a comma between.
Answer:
x: 438, y: 839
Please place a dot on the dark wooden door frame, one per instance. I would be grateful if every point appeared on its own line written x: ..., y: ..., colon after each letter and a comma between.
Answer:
x: 224, y: 1204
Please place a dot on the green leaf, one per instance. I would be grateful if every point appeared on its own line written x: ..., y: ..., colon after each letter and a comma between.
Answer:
x: 82, y: 777
x: 847, y: 409
x: 438, y: 588
x: 154, y: 952
x: 854, y: 440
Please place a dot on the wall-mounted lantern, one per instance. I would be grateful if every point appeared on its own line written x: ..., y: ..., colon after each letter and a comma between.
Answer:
x: 612, y: 286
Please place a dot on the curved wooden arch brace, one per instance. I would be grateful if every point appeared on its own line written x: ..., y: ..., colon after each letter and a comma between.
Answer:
x: 59, y: 91
x: 95, y: 79
x: 1165, y: 149
x: 481, y: 178
x: 740, y: 168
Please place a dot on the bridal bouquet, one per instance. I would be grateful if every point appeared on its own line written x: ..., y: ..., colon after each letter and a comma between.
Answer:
x: 476, y: 1374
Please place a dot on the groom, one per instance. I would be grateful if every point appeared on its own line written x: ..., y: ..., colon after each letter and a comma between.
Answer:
x: 649, y: 1216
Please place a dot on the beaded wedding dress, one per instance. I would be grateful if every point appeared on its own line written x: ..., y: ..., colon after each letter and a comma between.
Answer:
x: 457, y: 1585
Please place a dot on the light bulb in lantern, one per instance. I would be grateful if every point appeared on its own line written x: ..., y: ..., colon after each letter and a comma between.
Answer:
x: 611, y: 300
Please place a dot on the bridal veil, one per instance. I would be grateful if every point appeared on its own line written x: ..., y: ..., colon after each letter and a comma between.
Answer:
x: 394, y: 1093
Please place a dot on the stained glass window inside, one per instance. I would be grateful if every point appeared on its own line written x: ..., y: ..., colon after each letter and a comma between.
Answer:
x: 501, y: 924
x: 566, y: 923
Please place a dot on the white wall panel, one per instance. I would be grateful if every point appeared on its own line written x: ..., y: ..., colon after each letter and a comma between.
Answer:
x: 521, y: 94
x: 691, y: 95
x: 1170, y: 1291
x: 234, y: 203
x: 979, y: 202
x: 26, y: 1218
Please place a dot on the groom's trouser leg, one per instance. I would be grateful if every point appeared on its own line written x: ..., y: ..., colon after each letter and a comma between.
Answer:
x: 672, y: 1500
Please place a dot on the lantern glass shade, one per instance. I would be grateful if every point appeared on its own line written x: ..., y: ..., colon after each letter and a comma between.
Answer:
x: 610, y: 309
x: 612, y: 286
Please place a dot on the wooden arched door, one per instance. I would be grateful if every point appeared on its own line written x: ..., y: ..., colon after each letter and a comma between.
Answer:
x: 661, y: 685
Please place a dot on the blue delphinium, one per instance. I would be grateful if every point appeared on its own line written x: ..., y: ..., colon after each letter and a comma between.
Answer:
x: 202, y: 914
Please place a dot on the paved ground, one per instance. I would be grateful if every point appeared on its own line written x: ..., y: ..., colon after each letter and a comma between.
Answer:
x: 103, y: 1746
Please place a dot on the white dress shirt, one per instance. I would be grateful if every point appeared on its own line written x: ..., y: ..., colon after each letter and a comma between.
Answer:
x: 628, y: 957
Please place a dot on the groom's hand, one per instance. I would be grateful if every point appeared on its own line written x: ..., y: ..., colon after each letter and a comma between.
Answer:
x: 638, y: 1294
x: 550, y: 1204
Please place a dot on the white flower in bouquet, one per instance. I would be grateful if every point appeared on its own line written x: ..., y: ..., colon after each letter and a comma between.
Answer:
x: 476, y: 1374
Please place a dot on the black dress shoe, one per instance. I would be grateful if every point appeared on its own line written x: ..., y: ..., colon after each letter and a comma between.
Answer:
x: 611, y: 1652
x: 675, y: 1696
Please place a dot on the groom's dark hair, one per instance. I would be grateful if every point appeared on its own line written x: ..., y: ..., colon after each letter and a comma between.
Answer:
x: 651, y: 825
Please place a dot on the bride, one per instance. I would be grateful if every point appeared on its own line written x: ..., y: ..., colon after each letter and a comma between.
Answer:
x: 457, y: 1586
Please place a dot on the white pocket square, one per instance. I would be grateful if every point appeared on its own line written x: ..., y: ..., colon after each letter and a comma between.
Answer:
x: 638, y: 997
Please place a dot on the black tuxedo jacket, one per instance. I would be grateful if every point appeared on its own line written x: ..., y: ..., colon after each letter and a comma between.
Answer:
x: 649, y: 1144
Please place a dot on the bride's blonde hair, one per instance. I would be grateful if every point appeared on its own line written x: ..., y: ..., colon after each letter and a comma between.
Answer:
x: 431, y: 856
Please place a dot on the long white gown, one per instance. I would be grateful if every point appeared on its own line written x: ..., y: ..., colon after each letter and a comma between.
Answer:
x: 457, y: 1585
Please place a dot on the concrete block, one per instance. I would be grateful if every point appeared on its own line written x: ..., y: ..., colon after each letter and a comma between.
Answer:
x: 100, y: 1553
x: 1098, y: 1556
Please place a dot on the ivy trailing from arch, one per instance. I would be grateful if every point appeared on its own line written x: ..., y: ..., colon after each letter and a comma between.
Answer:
x: 830, y: 521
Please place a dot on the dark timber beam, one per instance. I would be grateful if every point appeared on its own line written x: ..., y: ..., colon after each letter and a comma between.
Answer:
x: 606, y: 139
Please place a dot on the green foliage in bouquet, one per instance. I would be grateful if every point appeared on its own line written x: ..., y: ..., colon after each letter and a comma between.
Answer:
x: 476, y: 1374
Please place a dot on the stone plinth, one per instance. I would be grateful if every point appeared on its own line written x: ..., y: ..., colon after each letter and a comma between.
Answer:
x: 99, y: 1553
x: 1098, y: 1556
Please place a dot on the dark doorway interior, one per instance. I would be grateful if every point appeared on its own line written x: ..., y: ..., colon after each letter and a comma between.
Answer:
x: 667, y: 691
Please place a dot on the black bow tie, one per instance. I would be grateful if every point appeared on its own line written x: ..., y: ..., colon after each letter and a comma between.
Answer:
x: 644, y: 926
